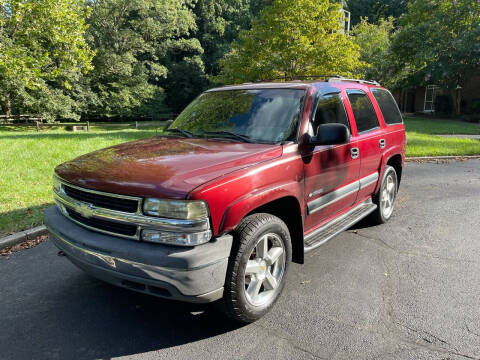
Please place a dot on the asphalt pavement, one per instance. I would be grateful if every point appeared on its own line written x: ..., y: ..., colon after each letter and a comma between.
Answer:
x: 409, y: 289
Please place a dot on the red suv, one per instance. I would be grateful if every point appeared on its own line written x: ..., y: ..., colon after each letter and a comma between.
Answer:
x: 247, y: 179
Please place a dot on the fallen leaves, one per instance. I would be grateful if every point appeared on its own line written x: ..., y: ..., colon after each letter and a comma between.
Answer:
x: 22, y: 246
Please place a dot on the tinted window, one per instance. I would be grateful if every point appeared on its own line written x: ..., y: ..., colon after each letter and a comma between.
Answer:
x: 263, y: 115
x: 386, y: 102
x: 330, y: 110
x: 362, y: 107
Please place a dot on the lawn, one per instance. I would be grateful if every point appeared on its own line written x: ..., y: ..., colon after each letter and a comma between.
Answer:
x: 441, y: 127
x: 27, y: 160
x: 421, y: 139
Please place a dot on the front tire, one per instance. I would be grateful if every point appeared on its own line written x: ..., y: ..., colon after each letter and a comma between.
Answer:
x: 386, y: 196
x: 258, y: 267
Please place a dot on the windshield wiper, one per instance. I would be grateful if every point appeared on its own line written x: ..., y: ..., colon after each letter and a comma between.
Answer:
x: 230, y: 134
x: 185, y: 133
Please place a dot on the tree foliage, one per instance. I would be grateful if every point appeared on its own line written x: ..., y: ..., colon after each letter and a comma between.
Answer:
x: 438, y: 43
x: 43, y: 54
x: 219, y: 23
x: 374, y: 41
x: 140, y: 45
x: 291, y: 38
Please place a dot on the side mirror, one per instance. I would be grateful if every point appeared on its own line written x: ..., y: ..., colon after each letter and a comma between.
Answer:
x: 331, y: 134
x: 167, y: 124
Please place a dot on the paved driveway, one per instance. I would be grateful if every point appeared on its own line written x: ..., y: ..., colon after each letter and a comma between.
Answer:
x: 406, y: 290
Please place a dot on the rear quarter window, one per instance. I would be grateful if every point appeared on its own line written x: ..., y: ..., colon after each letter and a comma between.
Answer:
x: 365, y: 116
x: 388, y: 106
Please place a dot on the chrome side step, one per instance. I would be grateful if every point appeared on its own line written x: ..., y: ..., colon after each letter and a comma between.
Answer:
x: 328, y: 231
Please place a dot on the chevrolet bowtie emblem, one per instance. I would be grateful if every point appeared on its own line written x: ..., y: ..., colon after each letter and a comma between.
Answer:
x: 85, y: 210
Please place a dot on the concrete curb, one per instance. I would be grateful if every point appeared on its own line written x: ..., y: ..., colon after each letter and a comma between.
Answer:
x: 469, y: 157
x: 22, y: 236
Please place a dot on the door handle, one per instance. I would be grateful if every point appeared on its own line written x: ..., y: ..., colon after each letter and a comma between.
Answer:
x: 382, y: 143
x: 354, y: 153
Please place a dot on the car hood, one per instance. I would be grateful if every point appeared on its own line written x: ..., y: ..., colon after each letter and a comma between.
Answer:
x: 162, y: 167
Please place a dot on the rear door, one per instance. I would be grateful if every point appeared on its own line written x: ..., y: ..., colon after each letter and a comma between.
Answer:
x: 370, y: 139
x: 330, y: 171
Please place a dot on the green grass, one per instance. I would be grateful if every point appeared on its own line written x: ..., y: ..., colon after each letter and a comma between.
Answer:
x: 441, y: 127
x: 27, y: 159
x: 421, y: 139
x: 430, y: 145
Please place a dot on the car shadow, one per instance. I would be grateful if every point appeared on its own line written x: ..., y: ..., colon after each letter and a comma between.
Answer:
x: 75, y: 316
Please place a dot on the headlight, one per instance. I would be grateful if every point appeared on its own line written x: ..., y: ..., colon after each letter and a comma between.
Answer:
x: 176, y: 209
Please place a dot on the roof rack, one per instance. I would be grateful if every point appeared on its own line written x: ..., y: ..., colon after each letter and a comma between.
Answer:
x: 329, y: 78
x: 360, y: 81
x: 299, y: 78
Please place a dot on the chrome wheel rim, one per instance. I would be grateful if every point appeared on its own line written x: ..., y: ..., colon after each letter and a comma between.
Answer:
x: 389, y: 191
x: 264, y: 269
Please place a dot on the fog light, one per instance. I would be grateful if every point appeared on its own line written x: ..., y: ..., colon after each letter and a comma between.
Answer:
x: 181, y: 239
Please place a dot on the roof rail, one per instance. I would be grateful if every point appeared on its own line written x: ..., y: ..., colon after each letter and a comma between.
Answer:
x: 328, y: 78
x: 360, y: 81
x: 300, y: 77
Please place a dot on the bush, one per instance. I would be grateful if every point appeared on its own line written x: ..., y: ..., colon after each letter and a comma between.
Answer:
x: 475, y: 107
x: 473, y: 118
x: 443, y: 104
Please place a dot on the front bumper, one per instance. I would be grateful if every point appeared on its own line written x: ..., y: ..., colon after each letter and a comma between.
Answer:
x: 188, y: 274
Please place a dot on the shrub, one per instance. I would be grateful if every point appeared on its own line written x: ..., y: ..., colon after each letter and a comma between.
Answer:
x: 443, y: 104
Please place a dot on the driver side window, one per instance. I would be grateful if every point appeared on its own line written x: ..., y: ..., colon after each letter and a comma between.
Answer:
x: 330, y: 110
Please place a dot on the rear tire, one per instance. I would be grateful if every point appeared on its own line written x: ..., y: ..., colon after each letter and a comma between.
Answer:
x: 257, y: 268
x: 386, y: 196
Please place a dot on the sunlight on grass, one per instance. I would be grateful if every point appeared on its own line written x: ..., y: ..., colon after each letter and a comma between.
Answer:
x: 430, y: 145
x: 27, y: 160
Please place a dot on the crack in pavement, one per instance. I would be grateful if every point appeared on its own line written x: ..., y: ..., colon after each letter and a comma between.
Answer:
x: 289, y: 341
x: 388, y: 246
x: 389, y: 320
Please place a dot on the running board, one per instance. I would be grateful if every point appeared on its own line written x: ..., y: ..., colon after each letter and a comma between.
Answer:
x: 328, y: 231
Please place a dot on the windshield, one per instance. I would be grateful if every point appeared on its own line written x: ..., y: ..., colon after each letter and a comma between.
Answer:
x: 262, y: 115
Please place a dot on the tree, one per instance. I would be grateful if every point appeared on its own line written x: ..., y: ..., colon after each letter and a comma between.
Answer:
x: 43, y: 53
x: 374, y: 41
x: 438, y: 43
x: 292, y: 38
x: 143, y: 47
x: 219, y: 23
x: 374, y: 10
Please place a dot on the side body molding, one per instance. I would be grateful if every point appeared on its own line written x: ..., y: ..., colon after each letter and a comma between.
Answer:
x: 336, y: 195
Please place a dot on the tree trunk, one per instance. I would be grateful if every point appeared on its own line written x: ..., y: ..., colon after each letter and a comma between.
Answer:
x: 456, y: 102
x: 8, y: 105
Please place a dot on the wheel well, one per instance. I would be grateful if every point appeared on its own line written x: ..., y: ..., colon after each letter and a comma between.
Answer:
x: 288, y: 210
x: 396, y: 162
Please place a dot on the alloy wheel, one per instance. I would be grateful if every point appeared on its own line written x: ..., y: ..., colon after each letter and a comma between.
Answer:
x: 264, y: 269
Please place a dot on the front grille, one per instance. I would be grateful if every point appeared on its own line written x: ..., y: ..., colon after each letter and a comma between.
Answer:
x: 110, y: 226
x: 103, y: 201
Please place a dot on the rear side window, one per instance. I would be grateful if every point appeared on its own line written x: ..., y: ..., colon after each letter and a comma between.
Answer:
x: 387, y: 104
x: 330, y: 110
x: 362, y: 107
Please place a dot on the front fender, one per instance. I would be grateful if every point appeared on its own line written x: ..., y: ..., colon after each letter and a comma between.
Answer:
x: 257, y: 198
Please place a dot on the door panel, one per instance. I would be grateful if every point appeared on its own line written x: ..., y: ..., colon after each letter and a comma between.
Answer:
x: 370, y: 136
x: 331, y: 174
x: 370, y: 158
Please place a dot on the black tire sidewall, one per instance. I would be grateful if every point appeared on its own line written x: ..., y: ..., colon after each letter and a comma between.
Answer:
x: 240, y: 256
